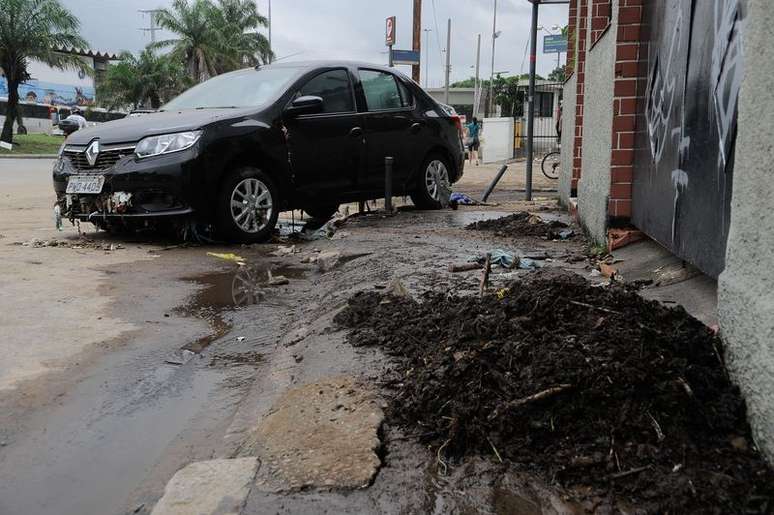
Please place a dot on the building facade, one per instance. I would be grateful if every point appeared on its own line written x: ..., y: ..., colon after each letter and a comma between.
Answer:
x: 666, y: 129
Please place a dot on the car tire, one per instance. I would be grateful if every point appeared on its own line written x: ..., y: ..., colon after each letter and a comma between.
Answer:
x: 254, y: 220
x: 321, y: 212
x: 425, y: 194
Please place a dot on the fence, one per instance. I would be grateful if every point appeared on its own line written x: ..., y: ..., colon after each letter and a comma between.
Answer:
x: 548, y: 100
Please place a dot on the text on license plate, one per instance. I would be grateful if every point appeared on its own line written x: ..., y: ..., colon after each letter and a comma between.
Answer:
x: 85, y: 184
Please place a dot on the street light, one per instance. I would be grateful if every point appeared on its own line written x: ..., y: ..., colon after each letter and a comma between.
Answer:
x: 495, y: 34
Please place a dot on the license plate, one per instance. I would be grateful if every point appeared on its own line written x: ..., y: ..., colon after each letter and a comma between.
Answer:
x: 85, y: 184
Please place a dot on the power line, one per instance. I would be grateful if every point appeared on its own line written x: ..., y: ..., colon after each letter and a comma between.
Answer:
x: 153, y: 27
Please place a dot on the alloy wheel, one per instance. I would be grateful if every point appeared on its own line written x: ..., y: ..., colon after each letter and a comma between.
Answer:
x: 251, y: 205
x: 435, y: 174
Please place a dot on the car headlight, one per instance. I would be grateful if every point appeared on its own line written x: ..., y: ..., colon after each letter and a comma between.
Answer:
x: 166, y: 143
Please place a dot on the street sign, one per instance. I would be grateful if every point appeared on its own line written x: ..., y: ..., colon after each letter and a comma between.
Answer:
x: 405, y: 57
x: 390, y: 32
x: 554, y: 44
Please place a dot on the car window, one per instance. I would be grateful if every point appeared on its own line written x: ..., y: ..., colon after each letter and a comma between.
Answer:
x: 334, y: 88
x: 406, y: 98
x: 381, y: 90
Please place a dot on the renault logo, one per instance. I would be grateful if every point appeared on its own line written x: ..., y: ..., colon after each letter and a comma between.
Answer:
x: 92, y: 152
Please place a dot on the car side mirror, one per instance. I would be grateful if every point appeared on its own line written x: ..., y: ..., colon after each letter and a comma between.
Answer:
x: 307, y: 104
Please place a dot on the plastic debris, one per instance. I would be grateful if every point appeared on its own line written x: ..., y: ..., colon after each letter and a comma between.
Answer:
x: 462, y: 199
x: 529, y: 264
x: 229, y: 256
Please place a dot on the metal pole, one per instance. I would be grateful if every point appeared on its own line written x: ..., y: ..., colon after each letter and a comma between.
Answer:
x: 477, y: 84
x: 531, y: 100
x: 389, y: 59
x: 427, y: 56
x: 448, y: 63
x: 270, y: 47
x: 494, y: 183
x: 388, y: 184
x: 417, y: 38
x: 489, y: 100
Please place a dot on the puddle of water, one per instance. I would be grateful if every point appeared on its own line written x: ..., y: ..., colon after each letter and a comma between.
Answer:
x: 223, y: 291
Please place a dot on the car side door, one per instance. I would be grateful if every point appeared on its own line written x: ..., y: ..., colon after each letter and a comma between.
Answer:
x: 389, y: 126
x: 326, y: 150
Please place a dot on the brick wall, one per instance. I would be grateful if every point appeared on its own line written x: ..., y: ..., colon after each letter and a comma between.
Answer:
x: 601, y: 11
x: 624, y: 108
x: 571, y: 32
x: 581, y: 27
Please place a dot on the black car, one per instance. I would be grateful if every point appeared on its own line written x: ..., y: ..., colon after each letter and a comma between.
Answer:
x: 235, y: 150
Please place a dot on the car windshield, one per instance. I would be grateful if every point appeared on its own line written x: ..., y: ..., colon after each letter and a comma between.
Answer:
x: 246, y: 88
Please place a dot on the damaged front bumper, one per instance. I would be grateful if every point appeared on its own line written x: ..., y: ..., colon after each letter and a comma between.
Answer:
x: 133, y: 188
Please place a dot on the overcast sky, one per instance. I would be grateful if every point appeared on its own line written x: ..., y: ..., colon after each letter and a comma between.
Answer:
x: 354, y: 29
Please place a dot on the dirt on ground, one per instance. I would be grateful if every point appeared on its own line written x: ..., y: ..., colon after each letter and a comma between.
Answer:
x: 524, y: 224
x: 623, y: 402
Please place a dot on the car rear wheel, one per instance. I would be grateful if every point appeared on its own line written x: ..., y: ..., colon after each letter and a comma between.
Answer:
x: 426, y: 195
x: 248, y: 206
x: 321, y: 212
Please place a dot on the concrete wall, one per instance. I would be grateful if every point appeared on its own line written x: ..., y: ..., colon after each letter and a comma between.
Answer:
x: 594, y: 185
x: 33, y: 125
x: 746, y: 287
x: 497, y: 139
x: 568, y: 137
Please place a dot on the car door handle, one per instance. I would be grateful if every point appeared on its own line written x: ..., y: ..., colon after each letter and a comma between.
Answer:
x: 416, y: 127
x: 356, y: 132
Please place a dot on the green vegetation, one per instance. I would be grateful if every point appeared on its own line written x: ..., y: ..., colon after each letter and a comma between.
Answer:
x: 34, y: 144
x: 147, y: 79
x: 33, y: 29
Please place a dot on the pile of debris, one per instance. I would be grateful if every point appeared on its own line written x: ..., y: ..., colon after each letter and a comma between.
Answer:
x: 80, y: 243
x: 524, y: 224
x: 617, y: 399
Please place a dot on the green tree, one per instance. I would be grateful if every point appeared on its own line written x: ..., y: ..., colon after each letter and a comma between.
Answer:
x: 215, y: 38
x: 34, y: 29
x: 558, y: 74
x: 198, y: 43
x: 146, y: 80
x: 236, y: 23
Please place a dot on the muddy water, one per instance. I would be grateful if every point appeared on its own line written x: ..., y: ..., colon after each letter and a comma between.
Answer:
x: 112, y: 430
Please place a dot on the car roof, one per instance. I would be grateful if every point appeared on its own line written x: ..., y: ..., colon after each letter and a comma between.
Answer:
x: 311, y: 65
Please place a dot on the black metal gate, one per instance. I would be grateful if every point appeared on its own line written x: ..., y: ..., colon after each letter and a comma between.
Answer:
x: 686, y: 131
x: 548, y: 99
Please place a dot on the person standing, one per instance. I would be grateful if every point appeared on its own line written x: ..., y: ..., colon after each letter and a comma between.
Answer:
x: 77, y: 117
x: 474, y: 128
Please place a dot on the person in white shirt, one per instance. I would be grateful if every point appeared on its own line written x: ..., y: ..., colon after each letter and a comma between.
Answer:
x: 75, y: 115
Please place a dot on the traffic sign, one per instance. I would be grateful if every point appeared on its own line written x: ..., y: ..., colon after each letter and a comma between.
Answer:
x: 554, y: 44
x: 405, y: 57
x: 390, y: 32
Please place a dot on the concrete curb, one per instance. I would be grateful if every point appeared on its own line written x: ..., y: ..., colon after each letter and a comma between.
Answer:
x: 28, y: 156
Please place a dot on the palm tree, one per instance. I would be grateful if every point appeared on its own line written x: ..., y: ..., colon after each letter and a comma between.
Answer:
x: 34, y: 29
x: 241, y: 44
x: 144, y: 80
x: 198, y: 44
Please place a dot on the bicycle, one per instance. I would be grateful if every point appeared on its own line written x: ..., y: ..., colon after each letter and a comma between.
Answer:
x: 550, y: 165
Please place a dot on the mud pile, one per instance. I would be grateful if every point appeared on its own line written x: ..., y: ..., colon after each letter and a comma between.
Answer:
x: 620, y: 400
x: 523, y: 224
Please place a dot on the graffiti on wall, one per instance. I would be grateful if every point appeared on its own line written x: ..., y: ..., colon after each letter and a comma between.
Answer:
x: 694, y: 65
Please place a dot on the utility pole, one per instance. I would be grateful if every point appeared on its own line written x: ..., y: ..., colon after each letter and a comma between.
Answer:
x: 153, y: 27
x: 427, y: 56
x: 448, y: 63
x: 270, y: 47
x: 417, y: 38
x: 490, y: 100
x: 477, y: 84
x: 531, y: 99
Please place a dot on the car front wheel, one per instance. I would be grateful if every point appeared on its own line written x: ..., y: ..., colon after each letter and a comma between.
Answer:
x: 248, y: 206
x: 434, y: 172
